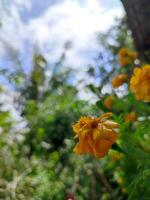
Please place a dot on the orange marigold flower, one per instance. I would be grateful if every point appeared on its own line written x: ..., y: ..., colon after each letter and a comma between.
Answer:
x: 118, y: 80
x: 96, y: 135
x: 126, y: 56
x: 130, y: 117
x: 140, y: 83
x: 108, y: 102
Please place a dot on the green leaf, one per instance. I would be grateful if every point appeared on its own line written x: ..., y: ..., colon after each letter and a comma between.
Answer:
x: 117, y: 148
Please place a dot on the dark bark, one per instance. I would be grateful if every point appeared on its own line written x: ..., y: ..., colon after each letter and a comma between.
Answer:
x: 138, y: 15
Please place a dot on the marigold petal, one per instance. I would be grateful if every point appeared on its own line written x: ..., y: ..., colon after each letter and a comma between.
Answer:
x: 83, y: 147
x: 102, y: 148
x: 111, y: 124
x: 105, y: 116
x: 97, y: 133
x: 109, y: 134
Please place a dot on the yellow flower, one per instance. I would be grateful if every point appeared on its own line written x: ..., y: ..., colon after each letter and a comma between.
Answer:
x: 96, y: 135
x: 118, y: 80
x: 130, y: 117
x: 140, y: 83
x: 126, y: 56
x: 108, y: 102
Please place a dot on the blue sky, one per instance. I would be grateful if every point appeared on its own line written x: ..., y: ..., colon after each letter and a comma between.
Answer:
x: 48, y: 24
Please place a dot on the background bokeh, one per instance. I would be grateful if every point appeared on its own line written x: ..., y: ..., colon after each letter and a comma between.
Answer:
x: 57, y: 60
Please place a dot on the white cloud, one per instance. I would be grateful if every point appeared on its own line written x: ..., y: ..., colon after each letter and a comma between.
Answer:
x: 12, y: 31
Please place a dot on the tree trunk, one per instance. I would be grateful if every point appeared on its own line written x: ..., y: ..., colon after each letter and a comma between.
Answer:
x: 138, y: 15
